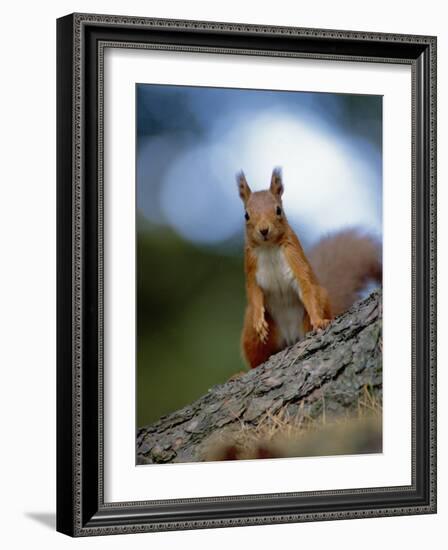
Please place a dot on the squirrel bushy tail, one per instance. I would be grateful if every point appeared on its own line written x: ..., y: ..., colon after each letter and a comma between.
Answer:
x: 345, y: 263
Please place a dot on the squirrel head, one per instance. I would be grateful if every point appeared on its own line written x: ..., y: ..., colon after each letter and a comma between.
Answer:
x: 265, y: 220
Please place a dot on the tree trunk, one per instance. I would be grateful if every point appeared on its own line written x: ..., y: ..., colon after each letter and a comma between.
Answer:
x: 324, y: 373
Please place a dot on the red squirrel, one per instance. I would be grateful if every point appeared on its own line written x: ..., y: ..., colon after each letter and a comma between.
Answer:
x: 288, y: 293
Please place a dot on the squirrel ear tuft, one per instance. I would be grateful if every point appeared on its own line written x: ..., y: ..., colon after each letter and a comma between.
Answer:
x: 276, y: 182
x: 243, y: 187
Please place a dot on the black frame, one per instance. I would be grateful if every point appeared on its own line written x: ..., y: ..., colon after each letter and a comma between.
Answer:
x: 81, y: 38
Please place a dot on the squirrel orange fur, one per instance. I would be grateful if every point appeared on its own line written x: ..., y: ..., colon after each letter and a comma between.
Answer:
x: 288, y: 293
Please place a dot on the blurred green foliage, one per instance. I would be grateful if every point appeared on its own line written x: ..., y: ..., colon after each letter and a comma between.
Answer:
x: 190, y: 305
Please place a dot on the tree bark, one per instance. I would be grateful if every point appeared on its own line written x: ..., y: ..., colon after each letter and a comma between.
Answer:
x: 325, y: 372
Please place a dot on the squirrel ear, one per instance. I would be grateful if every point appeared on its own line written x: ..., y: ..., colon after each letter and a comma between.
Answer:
x: 276, y: 182
x: 243, y: 187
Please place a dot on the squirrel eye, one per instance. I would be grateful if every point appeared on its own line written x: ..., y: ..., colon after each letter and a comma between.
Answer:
x: 246, y: 215
x: 279, y: 211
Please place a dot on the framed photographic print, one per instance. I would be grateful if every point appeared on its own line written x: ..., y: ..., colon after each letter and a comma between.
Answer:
x: 246, y: 274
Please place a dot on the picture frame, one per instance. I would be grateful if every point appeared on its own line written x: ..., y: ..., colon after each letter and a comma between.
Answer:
x: 81, y: 506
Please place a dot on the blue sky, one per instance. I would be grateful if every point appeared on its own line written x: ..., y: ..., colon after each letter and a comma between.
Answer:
x: 191, y: 141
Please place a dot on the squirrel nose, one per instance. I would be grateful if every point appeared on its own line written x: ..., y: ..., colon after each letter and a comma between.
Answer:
x: 264, y: 231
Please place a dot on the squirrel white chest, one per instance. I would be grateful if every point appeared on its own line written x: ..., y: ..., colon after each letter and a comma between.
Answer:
x: 281, y: 293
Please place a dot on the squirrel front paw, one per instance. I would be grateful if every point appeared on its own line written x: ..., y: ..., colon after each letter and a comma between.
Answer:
x: 261, y: 327
x: 319, y: 324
